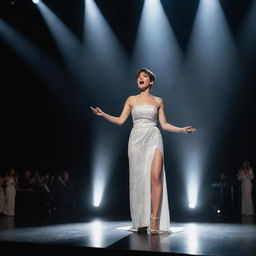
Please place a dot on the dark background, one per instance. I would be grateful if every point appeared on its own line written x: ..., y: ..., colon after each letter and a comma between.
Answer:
x: 44, y: 130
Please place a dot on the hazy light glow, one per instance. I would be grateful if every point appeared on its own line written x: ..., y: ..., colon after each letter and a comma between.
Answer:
x: 67, y: 42
x: 35, y: 58
x: 213, y: 57
x: 97, y: 233
x: 156, y: 46
x: 247, y: 38
x: 96, y: 202
x: 35, y: 1
x: 101, y: 49
x: 211, y: 72
x: 193, y: 178
x: 192, y: 205
x: 101, y: 165
x: 192, y: 239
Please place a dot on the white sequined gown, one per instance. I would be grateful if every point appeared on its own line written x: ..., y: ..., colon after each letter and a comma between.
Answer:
x: 144, y: 139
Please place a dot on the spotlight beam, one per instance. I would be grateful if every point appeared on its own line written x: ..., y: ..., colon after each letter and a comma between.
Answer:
x: 44, y: 66
x: 104, y: 66
x: 156, y: 46
x: 210, y: 73
x: 102, y: 49
x: 69, y: 45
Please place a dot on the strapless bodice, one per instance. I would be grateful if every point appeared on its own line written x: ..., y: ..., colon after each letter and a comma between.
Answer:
x: 144, y: 115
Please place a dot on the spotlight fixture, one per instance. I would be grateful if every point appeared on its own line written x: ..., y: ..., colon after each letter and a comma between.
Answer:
x: 35, y: 1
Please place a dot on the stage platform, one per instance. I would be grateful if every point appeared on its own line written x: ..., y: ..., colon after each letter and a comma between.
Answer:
x: 107, y: 237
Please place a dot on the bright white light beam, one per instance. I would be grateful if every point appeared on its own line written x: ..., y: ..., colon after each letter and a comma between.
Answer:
x: 67, y: 42
x: 156, y: 47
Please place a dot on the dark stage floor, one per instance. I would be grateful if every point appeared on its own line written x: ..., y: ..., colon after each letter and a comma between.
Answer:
x: 108, y: 237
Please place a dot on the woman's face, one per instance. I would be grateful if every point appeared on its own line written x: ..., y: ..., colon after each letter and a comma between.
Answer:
x: 246, y: 164
x: 143, y: 80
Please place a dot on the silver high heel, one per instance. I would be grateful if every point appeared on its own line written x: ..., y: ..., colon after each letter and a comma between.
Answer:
x: 155, y: 230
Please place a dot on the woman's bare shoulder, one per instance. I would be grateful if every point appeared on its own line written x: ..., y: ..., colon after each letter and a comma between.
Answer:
x: 158, y: 100
x: 132, y: 98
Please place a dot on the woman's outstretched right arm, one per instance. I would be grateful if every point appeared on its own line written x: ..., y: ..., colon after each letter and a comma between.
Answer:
x: 116, y: 120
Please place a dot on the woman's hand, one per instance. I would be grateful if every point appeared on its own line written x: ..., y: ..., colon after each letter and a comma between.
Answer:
x: 97, y: 111
x: 188, y: 129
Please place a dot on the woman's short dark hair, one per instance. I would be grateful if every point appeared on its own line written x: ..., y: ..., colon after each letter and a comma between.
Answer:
x: 152, y: 76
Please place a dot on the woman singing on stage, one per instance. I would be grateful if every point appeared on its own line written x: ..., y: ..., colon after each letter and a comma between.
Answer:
x: 149, y: 207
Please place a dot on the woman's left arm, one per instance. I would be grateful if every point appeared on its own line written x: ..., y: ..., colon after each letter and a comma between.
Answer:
x: 169, y: 127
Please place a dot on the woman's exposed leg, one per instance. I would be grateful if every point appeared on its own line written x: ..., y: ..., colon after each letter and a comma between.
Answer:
x: 156, y: 183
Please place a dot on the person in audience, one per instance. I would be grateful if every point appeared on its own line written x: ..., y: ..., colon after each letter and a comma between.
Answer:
x: 245, y: 175
x: 10, y: 181
x: 44, y: 195
x: 26, y: 196
x: 2, y: 194
x: 65, y: 193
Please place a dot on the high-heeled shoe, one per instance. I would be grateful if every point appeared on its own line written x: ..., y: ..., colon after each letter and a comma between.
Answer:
x: 155, y: 229
x: 142, y: 230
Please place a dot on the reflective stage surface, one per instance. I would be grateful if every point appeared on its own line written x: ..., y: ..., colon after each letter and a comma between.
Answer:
x: 105, y: 237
